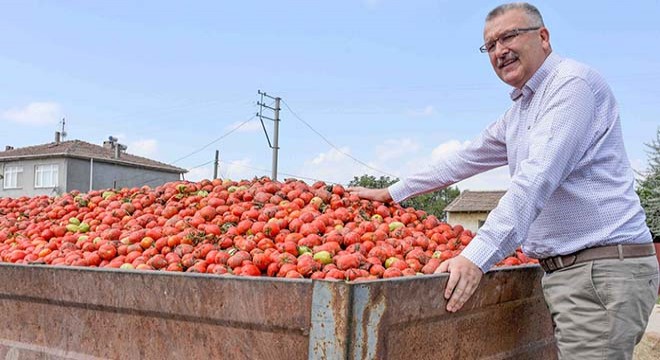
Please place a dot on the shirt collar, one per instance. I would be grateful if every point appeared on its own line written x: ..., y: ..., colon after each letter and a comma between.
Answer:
x: 535, y: 81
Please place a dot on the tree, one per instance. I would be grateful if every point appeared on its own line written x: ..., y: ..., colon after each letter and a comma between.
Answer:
x: 433, y: 203
x: 370, y: 181
x: 648, y: 188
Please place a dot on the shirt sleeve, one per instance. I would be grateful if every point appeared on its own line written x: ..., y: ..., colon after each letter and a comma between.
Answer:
x: 486, y: 152
x: 558, y: 140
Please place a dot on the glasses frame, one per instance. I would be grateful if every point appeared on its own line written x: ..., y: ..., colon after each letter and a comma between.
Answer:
x: 513, y: 33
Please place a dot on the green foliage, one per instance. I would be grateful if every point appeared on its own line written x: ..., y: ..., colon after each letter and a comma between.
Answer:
x: 370, y: 181
x: 648, y: 188
x: 433, y: 203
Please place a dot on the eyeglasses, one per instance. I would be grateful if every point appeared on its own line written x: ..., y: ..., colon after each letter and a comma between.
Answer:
x: 505, y: 39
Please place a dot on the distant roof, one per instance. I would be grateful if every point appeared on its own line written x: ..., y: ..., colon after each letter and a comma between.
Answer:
x: 84, y: 150
x: 473, y: 201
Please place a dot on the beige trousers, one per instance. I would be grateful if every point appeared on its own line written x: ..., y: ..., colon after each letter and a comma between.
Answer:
x: 600, y: 308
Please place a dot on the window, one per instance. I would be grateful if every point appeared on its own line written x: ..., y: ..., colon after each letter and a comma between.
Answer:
x: 45, y: 176
x: 13, y: 177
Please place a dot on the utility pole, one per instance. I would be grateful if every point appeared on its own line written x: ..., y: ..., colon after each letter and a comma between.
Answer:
x: 215, y: 164
x: 276, y: 135
x: 276, y: 126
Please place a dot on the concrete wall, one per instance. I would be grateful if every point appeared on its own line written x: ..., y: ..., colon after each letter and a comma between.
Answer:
x: 27, y: 184
x: 74, y: 175
x: 108, y: 175
x: 77, y: 175
x: 468, y: 220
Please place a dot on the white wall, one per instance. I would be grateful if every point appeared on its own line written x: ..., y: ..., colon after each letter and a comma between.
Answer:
x: 26, y: 187
x: 467, y: 220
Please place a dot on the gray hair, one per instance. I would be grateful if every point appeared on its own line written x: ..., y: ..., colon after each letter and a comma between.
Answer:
x: 533, y: 14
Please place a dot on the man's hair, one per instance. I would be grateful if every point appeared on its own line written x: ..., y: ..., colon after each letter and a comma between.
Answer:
x: 533, y: 14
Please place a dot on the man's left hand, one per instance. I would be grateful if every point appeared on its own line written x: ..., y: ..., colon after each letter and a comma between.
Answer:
x: 464, y: 277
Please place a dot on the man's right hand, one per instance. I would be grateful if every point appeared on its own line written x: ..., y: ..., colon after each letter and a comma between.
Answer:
x: 464, y: 277
x: 381, y: 195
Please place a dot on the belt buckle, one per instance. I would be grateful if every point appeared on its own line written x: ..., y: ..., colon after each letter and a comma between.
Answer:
x: 548, y: 265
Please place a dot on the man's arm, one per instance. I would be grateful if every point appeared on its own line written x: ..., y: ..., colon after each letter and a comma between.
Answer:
x: 486, y: 152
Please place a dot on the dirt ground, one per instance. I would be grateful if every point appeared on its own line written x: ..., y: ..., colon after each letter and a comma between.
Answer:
x: 649, y: 347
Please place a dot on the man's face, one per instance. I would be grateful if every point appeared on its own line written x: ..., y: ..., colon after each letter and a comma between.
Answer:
x: 516, y: 62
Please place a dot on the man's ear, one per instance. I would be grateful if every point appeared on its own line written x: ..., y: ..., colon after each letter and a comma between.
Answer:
x: 545, y: 39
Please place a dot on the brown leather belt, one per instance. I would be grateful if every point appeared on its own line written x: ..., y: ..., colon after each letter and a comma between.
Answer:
x: 620, y: 252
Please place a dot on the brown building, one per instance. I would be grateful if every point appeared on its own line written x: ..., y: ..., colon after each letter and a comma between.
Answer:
x: 471, y: 208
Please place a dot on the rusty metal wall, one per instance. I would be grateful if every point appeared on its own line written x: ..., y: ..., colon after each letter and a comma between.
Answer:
x: 71, y: 313
x: 85, y: 313
x: 506, y: 318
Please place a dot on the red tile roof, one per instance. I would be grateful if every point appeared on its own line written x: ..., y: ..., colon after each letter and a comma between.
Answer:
x: 475, y: 201
x: 84, y: 150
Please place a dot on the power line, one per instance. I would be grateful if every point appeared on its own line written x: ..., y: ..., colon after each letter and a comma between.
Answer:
x: 216, y: 140
x: 200, y: 165
x: 333, y: 146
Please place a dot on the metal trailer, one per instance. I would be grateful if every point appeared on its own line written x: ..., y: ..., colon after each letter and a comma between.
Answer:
x: 51, y: 312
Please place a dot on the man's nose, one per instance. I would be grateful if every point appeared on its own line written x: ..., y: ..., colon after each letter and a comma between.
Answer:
x: 500, y: 50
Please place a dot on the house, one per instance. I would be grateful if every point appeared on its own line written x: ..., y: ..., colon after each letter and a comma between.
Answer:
x: 62, y: 166
x: 471, y: 208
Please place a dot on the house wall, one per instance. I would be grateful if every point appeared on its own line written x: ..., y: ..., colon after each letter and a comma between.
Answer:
x: 77, y: 175
x: 27, y: 184
x: 106, y: 175
x: 467, y: 220
x: 73, y: 174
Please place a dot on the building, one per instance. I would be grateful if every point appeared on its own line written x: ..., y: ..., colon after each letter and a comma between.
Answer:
x: 471, y: 208
x: 62, y: 166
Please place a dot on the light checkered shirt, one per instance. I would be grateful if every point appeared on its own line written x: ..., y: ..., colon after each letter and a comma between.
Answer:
x: 571, y: 181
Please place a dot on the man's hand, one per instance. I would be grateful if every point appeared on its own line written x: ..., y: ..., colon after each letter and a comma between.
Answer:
x: 464, y: 277
x: 382, y: 195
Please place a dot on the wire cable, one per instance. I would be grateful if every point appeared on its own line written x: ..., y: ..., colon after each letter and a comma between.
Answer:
x: 333, y: 145
x: 200, y: 165
x: 216, y: 140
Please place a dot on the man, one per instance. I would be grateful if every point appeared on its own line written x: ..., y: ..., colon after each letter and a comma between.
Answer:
x: 571, y: 201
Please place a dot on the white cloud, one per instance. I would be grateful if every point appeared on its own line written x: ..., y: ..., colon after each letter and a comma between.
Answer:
x: 496, y: 179
x: 393, y: 149
x: 330, y: 166
x: 200, y: 173
x: 429, y: 110
x: 239, y: 169
x: 332, y: 156
x: 35, y: 113
x: 447, y: 148
x: 639, y: 168
x: 250, y: 126
x: 144, y: 147
x: 235, y: 170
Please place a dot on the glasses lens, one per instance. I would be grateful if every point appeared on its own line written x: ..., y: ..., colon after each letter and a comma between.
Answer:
x: 490, y: 46
x: 507, y: 38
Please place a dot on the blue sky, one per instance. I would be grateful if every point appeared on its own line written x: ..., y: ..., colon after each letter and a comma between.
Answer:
x: 393, y: 84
